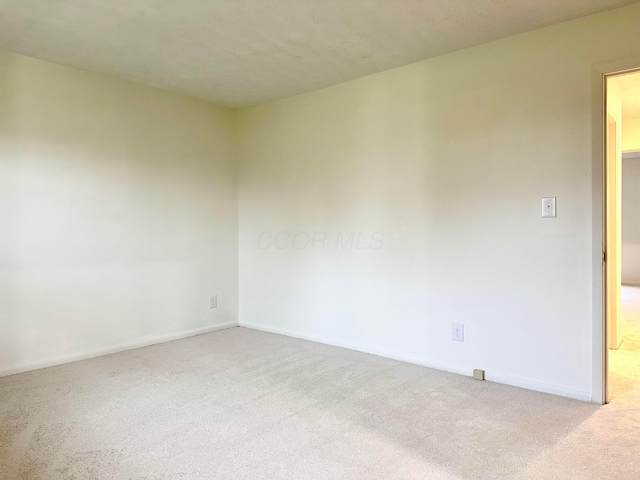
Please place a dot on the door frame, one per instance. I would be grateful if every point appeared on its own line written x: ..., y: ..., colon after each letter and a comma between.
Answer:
x: 600, y: 358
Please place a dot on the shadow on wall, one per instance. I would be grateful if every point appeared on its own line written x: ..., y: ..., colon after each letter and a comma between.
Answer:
x: 118, y: 211
x: 409, y: 153
x: 9, y: 90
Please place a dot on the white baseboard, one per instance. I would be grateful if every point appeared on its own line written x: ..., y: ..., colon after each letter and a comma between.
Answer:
x: 139, y: 343
x: 437, y: 365
x: 539, y: 386
x: 447, y: 367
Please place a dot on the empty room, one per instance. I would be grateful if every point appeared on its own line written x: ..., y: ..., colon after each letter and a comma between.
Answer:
x: 319, y: 239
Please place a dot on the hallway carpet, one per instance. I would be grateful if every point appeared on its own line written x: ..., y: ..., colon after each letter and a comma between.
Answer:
x: 243, y: 404
x: 624, y: 363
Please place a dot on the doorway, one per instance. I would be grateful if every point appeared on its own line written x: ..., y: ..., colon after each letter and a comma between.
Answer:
x: 622, y: 237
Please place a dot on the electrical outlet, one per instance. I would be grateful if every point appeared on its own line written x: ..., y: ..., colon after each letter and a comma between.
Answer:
x: 213, y: 301
x: 457, y: 332
x: 549, y: 207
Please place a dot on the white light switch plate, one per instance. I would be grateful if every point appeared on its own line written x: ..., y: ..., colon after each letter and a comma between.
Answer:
x: 549, y: 207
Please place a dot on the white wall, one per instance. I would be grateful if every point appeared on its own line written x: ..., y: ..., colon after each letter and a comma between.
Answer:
x: 631, y: 221
x: 631, y: 134
x: 118, y: 212
x: 448, y: 159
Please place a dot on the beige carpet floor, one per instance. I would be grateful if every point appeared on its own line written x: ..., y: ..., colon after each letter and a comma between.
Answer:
x: 242, y: 404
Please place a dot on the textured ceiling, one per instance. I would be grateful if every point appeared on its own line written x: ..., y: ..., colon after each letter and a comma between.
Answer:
x: 243, y: 52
